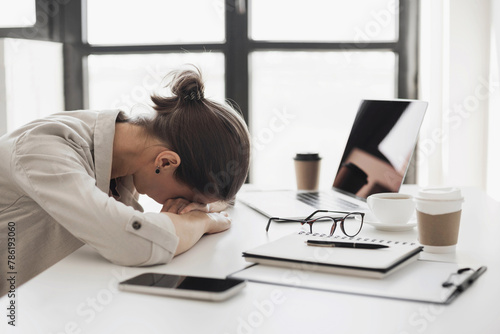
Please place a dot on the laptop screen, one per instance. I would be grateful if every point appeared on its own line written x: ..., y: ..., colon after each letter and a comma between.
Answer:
x: 380, y: 146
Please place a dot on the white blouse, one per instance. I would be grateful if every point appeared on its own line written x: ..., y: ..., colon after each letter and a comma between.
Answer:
x: 55, y: 196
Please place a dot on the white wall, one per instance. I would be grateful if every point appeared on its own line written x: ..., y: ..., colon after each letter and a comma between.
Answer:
x: 493, y: 179
x: 31, y: 81
x: 455, y: 70
x: 468, y: 92
x: 3, y: 91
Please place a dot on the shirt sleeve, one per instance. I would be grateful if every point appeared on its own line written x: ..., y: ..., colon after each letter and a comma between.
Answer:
x: 56, y: 173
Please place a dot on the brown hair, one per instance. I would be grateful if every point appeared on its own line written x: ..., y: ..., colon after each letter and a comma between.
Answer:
x: 211, y: 138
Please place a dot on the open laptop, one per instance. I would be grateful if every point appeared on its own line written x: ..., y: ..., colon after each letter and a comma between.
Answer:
x: 375, y: 160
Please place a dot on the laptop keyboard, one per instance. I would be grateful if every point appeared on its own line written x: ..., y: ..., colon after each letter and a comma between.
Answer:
x: 326, y: 201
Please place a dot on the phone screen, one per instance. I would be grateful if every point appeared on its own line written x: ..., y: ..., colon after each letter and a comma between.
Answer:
x: 183, y: 282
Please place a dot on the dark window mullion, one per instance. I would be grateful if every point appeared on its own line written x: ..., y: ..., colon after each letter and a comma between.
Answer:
x: 236, y: 55
x: 160, y: 48
x: 407, y: 74
x: 75, y: 71
x: 322, y: 46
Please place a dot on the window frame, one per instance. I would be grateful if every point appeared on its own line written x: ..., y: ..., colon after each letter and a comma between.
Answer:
x: 45, y: 27
x: 66, y: 22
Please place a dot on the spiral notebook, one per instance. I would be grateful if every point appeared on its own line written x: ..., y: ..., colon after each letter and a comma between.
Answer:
x: 292, y: 251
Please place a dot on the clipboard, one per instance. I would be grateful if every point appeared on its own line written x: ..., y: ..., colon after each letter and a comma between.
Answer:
x: 421, y: 281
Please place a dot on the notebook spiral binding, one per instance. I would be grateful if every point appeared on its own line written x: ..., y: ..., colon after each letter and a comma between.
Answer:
x: 359, y: 239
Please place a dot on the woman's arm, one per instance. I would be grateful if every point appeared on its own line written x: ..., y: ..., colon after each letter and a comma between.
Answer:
x: 55, y: 173
x: 191, y: 226
x: 182, y: 206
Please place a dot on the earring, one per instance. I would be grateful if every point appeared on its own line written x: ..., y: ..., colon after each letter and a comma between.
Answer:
x: 157, y: 171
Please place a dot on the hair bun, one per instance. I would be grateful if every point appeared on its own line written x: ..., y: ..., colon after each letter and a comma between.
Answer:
x: 194, y: 95
x: 188, y: 85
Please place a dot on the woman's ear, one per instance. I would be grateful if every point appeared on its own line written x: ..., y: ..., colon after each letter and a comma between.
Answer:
x: 167, y: 159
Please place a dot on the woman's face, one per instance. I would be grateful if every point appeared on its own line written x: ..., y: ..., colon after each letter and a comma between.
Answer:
x: 164, y: 186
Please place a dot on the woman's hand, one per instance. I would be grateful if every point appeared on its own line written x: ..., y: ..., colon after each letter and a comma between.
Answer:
x: 191, y: 226
x: 220, y: 221
x: 182, y: 206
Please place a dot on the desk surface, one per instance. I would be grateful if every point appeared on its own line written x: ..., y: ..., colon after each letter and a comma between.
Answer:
x: 79, y: 294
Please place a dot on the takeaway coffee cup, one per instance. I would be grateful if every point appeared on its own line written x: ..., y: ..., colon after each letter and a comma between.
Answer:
x: 391, y: 208
x: 307, y: 166
x: 438, y: 218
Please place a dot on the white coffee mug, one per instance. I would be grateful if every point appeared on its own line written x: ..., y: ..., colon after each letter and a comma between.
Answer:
x: 392, y: 208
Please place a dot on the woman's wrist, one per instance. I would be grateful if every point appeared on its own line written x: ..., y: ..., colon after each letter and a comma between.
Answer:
x: 190, y: 227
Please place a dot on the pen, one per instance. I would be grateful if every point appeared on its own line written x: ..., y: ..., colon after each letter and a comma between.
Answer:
x: 323, y: 243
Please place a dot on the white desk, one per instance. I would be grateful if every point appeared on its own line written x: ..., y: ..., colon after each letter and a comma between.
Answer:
x: 79, y: 294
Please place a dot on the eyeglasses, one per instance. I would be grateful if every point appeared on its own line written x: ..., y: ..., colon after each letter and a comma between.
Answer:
x: 350, y: 223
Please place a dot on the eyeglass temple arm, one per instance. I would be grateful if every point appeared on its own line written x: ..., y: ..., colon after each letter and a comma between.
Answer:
x: 283, y: 220
x: 269, y: 223
x: 315, y: 212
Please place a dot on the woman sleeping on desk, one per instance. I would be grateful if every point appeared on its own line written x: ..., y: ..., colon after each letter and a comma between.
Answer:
x: 74, y: 178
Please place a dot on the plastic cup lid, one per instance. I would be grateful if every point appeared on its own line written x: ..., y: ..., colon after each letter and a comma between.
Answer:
x: 307, y: 156
x: 440, y: 194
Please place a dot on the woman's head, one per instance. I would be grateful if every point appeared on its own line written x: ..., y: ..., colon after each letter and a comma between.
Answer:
x: 210, y: 138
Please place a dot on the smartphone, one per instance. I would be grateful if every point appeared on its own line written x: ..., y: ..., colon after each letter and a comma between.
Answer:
x: 194, y: 287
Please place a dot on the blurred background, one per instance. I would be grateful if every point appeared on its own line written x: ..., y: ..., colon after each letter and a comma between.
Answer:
x: 297, y: 69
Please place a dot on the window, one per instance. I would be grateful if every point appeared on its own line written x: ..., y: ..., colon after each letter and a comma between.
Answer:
x: 125, y: 76
x: 312, y: 64
x: 300, y: 103
x: 323, y: 20
x: 31, y: 62
x: 19, y: 13
x: 25, y: 91
x: 297, y: 69
x: 126, y: 81
x: 153, y: 22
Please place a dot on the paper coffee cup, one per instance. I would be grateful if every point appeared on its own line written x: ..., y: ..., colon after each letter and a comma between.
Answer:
x: 307, y: 166
x: 438, y: 217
